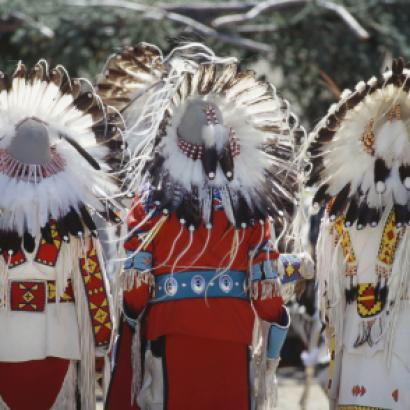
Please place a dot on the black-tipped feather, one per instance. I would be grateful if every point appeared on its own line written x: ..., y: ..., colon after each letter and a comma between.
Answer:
x: 363, y: 214
x: 189, y: 211
x: 321, y: 195
x: 404, y: 172
x: 402, y: 214
x: 340, y: 202
x: 210, y: 162
x: 62, y: 229
x: 373, y: 216
x: 82, y: 152
x: 381, y: 173
x: 88, y: 220
x: 46, y: 233
x: 226, y: 162
x: 28, y: 242
x: 352, y: 212
x: 73, y: 223
x: 11, y: 241
x: 243, y: 214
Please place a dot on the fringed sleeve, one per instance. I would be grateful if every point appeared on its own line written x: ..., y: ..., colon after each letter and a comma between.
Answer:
x: 263, y: 272
x: 137, y: 279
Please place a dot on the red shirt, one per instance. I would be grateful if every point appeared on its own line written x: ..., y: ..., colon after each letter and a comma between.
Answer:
x: 217, y: 318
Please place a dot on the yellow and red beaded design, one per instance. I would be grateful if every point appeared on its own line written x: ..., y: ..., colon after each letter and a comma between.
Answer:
x: 388, y: 245
x: 68, y: 295
x: 18, y: 258
x: 368, y: 304
x: 32, y: 296
x: 343, y: 235
x: 27, y: 296
x: 47, y: 253
x: 97, y: 297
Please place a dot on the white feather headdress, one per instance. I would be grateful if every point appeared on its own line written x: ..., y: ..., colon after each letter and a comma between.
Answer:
x: 257, y: 176
x: 360, y: 152
x: 79, y: 134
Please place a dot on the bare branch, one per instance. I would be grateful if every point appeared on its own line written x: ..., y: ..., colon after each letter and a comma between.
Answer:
x: 257, y: 28
x: 278, y: 5
x: 208, y: 8
x: 265, y: 6
x: 349, y: 20
x: 157, y: 13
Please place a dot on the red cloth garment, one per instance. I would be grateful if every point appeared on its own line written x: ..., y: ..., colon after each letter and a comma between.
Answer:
x: 204, y: 374
x: 217, y: 318
x: 17, y: 387
x: 119, y: 392
x: 206, y: 340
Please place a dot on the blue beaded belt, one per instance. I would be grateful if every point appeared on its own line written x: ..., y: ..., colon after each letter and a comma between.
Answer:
x: 200, y: 284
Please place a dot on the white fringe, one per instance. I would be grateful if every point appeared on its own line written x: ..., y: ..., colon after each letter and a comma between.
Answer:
x: 133, y: 278
x: 264, y: 388
x: 330, y: 267
x: 86, y: 379
x: 398, y: 292
x: 136, y: 362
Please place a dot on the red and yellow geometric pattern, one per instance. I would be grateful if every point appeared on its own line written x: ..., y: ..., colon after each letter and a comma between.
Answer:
x: 32, y: 296
x: 97, y: 297
x: 68, y: 295
x: 389, y: 241
x: 28, y: 296
x: 14, y: 260
x: 348, y: 253
x: 47, y: 253
x: 367, y: 303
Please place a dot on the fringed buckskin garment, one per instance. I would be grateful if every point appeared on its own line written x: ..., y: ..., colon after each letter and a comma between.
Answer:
x: 361, y: 155
x: 55, y: 311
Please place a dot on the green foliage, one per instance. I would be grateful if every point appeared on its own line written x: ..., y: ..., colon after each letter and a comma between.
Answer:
x: 307, y: 43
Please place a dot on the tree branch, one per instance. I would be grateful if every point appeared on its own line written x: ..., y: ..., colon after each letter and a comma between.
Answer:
x: 278, y: 5
x: 348, y: 18
x: 157, y: 13
x: 265, y: 6
x: 257, y: 28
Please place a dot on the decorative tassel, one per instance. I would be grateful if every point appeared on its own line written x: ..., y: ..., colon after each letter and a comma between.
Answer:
x: 381, y: 173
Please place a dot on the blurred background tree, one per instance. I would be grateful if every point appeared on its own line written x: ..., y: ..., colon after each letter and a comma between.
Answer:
x: 311, y: 49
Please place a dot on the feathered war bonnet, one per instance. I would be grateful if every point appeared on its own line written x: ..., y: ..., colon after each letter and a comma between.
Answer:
x: 127, y: 79
x: 208, y: 130
x: 54, y: 135
x: 360, y: 152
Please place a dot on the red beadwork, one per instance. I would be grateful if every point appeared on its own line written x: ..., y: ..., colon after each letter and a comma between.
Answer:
x: 29, y: 172
x: 195, y: 151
